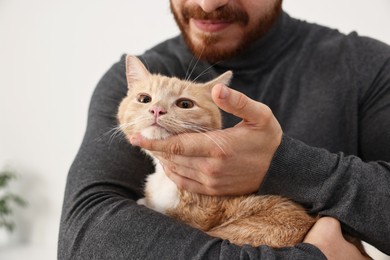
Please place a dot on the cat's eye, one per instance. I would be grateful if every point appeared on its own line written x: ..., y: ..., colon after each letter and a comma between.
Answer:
x: 185, y: 103
x: 144, y: 98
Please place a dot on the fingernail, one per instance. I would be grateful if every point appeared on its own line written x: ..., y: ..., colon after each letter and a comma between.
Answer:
x: 224, y: 93
x: 135, y: 141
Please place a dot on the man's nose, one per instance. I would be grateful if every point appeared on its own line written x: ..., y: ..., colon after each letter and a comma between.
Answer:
x: 211, y: 5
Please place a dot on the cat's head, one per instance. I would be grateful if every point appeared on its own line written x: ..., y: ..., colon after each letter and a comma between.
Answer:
x: 157, y: 106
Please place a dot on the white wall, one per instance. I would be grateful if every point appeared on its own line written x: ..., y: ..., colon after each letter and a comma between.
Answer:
x: 52, y: 54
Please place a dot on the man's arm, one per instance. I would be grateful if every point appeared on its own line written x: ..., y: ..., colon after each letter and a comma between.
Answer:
x: 353, y: 189
x: 100, y: 218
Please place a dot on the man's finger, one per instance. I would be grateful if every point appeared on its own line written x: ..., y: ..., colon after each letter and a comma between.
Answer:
x: 188, y: 184
x: 192, y: 144
x: 187, y: 173
x: 238, y: 104
x: 190, y: 163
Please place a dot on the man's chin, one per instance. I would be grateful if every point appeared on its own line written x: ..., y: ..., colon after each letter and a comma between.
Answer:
x: 211, y: 48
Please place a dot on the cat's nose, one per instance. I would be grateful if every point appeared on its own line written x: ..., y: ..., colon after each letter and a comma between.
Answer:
x: 158, y: 111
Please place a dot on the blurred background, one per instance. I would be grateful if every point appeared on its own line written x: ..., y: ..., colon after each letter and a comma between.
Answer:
x: 52, y: 54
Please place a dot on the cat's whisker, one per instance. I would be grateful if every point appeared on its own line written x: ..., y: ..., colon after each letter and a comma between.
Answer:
x: 179, y: 128
x: 197, y: 128
x: 115, y: 131
x: 215, y: 138
x: 184, y: 137
x: 205, y: 71
x: 120, y: 130
x: 196, y: 63
x: 187, y: 126
x: 184, y: 128
x: 187, y: 76
x: 215, y: 141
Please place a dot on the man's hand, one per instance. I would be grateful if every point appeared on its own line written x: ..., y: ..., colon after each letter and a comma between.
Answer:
x: 232, y: 161
x: 327, y: 236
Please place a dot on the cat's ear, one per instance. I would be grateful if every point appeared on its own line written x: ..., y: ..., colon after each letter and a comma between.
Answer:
x: 222, y: 79
x: 135, y: 70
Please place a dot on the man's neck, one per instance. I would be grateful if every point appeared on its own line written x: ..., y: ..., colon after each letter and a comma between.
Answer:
x: 266, y: 49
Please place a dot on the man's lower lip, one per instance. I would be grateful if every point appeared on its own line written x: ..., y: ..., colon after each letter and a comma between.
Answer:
x: 210, y: 26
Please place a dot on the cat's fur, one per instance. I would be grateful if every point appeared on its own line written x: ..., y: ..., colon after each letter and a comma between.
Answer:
x: 255, y: 220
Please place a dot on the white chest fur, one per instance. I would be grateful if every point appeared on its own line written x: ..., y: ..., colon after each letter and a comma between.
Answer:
x: 161, y: 193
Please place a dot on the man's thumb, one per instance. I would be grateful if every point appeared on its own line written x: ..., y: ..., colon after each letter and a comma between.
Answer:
x: 238, y: 104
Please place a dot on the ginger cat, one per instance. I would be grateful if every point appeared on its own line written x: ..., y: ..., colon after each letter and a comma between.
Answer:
x: 157, y: 107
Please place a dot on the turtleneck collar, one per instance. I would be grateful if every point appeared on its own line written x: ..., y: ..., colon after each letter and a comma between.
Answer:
x: 266, y: 48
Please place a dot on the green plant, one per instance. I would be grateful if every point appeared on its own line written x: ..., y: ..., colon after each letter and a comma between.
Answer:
x: 7, y: 199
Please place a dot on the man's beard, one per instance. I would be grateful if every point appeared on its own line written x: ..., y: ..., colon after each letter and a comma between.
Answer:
x: 206, y: 50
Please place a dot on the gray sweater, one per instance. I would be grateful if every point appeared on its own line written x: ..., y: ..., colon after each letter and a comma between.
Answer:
x: 331, y: 95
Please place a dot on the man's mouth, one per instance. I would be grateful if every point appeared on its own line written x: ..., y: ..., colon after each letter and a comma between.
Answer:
x: 210, y: 26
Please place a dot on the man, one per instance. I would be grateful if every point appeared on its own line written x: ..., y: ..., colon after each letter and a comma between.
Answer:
x: 315, y: 129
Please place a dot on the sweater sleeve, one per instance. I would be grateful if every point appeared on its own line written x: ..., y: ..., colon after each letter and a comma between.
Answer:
x: 353, y: 189
x: 100, y: 218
